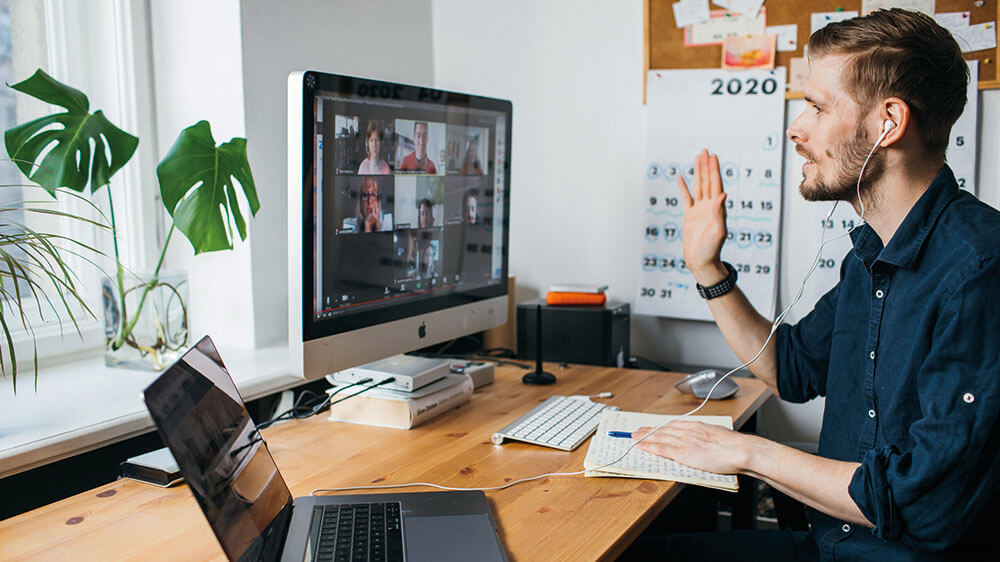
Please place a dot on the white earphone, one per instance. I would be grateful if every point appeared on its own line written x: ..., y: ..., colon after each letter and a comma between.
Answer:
x: 887, y: 126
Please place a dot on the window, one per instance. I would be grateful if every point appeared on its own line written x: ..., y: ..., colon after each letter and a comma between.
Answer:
x: 99, y: 48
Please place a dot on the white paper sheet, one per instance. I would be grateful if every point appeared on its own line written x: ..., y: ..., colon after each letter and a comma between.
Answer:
x: 953, y: 21
x: 819, y: 20
x: 962, y: 147
x: 788, y: 36
x: 605, y: 450
x: 720, y: 26
x: 746, y: 7
x: 977, y: 37
x: 690, y: 12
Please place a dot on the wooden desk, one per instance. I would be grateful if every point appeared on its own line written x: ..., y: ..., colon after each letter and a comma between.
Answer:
x: 556, y: 518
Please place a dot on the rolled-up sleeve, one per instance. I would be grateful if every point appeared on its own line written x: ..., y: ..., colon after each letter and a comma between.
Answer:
x: 926, y: 496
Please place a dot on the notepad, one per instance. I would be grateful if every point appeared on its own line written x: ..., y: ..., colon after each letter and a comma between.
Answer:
x: 640, y: 464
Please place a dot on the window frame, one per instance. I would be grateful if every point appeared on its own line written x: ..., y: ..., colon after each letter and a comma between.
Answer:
x: 103, y: 48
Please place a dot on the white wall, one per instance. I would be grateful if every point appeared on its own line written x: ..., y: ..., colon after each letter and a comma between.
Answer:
x: 373, y: 39
x: 227, y: 61
x: 574, y: 72
x: 197, y: 75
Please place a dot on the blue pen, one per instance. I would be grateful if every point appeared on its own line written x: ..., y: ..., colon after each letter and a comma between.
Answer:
x: 624, y: 434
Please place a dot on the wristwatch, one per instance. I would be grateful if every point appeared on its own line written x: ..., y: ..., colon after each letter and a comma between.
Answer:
x: 720, y: 288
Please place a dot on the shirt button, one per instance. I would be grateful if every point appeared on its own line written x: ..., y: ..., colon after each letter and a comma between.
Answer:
x: 846, y: 528
x: 872, y: 355
x: 871, y: 413
x: 969, y: 398
x: 879, y: 293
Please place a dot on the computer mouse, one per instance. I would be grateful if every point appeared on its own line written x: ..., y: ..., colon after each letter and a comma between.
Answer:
x: 700, y: 383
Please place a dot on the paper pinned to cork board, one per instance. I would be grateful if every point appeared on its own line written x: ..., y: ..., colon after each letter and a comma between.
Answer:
x: 819, y: 20
x: 977, y: 37
x: 787, y: 36
x: 798, y: 74
x: 690, y: 12
x: 742, y: 53
x: 724, y: 24
x: 746, y: 7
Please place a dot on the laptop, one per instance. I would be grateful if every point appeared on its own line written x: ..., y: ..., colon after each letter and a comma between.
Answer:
x: 203, y: 420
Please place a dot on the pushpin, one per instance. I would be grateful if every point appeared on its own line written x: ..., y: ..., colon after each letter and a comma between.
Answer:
x: 987, y: 61
x: 840, y: 9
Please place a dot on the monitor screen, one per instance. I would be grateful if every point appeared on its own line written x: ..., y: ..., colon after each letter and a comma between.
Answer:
x: 401, y: 206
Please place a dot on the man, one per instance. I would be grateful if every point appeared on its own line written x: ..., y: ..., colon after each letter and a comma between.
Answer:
x: 905, y: 348
x: 418, y: 160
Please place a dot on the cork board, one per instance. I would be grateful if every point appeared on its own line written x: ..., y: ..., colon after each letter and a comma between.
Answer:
x: 664, y: 42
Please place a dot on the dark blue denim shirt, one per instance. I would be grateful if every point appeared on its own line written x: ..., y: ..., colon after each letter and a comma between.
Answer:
x: 906, y: 350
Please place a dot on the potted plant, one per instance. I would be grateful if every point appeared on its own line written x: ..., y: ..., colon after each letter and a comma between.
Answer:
x: 199, y: 183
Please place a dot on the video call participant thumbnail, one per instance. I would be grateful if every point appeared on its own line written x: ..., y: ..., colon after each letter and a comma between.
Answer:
x: 421, y: 254
x: 368, y: 213
x: 425, y: 213
x: 418, y: 160
x: 374, y: 163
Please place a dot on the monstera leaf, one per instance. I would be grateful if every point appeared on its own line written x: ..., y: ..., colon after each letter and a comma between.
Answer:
x: 196, y: 185
x: 67, y: 149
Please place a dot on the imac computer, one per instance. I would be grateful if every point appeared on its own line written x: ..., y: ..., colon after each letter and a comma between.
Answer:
x: 398, y: 213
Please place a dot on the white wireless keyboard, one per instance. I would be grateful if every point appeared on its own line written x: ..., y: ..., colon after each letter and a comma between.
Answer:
x: 560, y: 422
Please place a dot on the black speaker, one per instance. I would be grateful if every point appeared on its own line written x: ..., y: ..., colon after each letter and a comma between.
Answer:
x: 591, y: 335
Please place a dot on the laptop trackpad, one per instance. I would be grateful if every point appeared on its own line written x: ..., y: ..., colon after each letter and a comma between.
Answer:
x: 451, y: 537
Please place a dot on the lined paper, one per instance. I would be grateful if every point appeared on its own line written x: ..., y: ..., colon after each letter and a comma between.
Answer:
x: 640, y: 464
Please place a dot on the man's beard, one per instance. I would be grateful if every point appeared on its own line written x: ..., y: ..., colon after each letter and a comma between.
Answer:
x: 844, y: 185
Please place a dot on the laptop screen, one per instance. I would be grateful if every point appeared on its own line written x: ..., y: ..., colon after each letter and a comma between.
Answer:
x: 202, y: 419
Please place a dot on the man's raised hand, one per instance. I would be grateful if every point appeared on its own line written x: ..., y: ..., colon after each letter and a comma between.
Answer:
x: 704, y: 229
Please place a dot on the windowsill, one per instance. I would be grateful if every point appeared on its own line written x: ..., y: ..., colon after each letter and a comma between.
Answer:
x: 82, y: 405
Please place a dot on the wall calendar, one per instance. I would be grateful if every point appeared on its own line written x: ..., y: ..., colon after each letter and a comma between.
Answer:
x: 739, y: 116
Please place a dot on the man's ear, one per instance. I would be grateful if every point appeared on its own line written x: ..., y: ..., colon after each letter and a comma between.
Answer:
x: 898, y: 112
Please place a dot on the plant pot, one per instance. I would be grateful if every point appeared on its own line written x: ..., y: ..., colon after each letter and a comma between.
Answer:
x: 159, y: 335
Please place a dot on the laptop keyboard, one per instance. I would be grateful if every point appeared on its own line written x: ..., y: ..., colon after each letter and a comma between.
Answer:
x: 354, y: 532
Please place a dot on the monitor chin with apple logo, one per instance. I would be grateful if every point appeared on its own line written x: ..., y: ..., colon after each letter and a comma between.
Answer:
x: 398, y: 218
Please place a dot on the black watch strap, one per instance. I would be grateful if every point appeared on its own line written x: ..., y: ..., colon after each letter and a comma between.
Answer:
x: 720, y: 288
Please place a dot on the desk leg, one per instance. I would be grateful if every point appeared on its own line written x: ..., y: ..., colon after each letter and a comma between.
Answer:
x: 745, y: 502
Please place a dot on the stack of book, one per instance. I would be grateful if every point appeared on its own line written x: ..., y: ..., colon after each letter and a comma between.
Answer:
x: 400, y: 409
x: 576, y: 294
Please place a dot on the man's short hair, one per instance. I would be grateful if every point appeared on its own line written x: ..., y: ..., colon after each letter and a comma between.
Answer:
x: 904, y: 54
x: 415, y: 123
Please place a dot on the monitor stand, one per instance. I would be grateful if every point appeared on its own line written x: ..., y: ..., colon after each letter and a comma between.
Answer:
x: 538, y: 376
